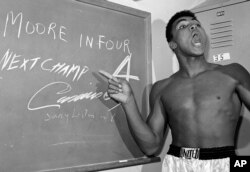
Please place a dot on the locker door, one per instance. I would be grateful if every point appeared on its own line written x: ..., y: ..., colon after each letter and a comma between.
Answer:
x: 229, y: 30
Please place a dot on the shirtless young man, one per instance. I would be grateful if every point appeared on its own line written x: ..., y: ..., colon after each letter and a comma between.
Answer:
x: 201, y: 104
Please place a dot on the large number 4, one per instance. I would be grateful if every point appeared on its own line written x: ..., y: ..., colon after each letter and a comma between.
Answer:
x: 126, y: 61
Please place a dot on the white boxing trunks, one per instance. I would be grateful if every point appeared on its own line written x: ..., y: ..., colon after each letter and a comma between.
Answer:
x: 198, y: 159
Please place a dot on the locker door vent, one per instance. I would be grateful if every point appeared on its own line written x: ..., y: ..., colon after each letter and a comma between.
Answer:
x: 221, y: 34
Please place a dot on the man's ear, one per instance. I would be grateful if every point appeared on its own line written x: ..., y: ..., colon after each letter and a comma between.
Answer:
x: 172, y: 45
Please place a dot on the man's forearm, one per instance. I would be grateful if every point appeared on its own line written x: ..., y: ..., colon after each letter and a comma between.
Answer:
x: 148, y: 141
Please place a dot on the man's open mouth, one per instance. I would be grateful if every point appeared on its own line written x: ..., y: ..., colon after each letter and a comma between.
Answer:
x: 196, y: 39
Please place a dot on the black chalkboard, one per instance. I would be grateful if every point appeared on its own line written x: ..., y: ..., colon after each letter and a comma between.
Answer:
x: 54, y: 111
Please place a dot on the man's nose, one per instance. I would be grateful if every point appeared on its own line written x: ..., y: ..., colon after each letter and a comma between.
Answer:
x: 193, y: 27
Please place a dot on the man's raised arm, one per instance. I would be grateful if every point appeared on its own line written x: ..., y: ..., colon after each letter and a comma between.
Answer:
x: 147, y: 135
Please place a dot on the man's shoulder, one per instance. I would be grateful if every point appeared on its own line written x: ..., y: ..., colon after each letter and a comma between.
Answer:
x: 162, y: 83
x: 233, y: 69
x: 159, y: 86
x: 236, y: 71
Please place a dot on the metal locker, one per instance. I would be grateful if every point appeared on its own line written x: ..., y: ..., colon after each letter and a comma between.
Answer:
x: 227, y: 24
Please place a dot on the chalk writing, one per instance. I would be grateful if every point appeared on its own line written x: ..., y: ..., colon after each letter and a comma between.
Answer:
x: 61, y: 100
x: 102, y: 42
x: 83, y: 115
x: 89, y: 95
x: 17, y: 25
x: 11, y: 61
x: 114, y: 107
x: 127, y: 61
x: 56, y: 32
x: 64, y: 69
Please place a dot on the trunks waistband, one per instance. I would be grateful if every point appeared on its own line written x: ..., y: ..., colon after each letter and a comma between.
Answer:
x: 202, y: 153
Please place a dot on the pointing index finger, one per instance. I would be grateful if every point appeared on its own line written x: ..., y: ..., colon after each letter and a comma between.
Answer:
x: 107, y: 75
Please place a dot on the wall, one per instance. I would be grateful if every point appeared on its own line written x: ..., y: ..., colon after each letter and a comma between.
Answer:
x: 164, y: 62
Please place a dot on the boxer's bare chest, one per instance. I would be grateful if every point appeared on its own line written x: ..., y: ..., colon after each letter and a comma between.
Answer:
x: 210, y: 89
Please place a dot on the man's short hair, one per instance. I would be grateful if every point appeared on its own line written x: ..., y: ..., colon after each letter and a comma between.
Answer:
x: 184, y: 13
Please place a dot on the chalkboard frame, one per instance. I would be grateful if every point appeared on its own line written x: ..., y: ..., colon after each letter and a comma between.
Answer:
x: 109, y: 165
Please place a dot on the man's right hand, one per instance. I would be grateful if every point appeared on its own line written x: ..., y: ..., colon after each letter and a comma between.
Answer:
x: 118, y: 89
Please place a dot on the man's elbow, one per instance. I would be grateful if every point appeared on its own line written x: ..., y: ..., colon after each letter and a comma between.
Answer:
x: 152, y: 151
x: 154, y: 147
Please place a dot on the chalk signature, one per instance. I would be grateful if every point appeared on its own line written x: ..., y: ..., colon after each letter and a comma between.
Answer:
x: 63, y: 99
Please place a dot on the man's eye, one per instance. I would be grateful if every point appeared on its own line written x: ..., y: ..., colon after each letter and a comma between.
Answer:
x: 182, y: 26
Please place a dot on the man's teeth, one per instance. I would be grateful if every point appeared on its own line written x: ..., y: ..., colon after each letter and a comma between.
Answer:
x: 196, y: 40
x: 197, y: 44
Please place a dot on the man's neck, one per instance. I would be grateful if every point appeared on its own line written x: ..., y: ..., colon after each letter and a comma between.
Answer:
x: 192, y: 66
